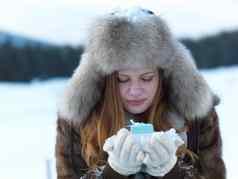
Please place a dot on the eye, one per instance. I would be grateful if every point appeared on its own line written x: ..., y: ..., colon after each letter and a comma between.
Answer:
x: 122, y: 79
x: 147, y: 78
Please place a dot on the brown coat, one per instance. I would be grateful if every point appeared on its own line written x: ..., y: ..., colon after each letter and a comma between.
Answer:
x: 203, y: 138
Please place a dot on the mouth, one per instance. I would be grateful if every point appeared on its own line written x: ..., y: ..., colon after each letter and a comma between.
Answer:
x: 136, y: 102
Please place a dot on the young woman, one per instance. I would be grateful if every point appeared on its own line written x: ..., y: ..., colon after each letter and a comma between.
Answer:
x: 133, y: 67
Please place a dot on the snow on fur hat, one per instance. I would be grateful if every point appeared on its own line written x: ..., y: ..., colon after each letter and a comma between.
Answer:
x: 135, y: 38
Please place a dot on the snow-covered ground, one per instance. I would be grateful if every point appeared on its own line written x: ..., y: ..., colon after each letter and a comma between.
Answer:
x: 28, y: 115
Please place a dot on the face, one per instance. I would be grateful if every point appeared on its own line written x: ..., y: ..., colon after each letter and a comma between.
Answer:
x: 137, y: 88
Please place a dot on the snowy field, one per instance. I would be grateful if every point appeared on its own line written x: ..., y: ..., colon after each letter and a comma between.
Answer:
x: 28, y: 115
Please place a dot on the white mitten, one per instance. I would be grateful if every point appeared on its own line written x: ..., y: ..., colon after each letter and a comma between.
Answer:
x: 160, y: 155
x: 124, y: 154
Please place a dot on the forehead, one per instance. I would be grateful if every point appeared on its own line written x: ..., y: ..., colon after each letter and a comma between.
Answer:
x: 136, y: 71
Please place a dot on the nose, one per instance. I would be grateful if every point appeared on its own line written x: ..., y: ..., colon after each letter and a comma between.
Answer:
x: 135, y: 91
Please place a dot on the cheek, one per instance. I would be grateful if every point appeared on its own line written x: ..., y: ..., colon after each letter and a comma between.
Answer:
x: 122, y: 90
x: 151, y: 89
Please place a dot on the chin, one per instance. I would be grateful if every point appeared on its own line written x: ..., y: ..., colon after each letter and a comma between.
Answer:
x: 136, y: 111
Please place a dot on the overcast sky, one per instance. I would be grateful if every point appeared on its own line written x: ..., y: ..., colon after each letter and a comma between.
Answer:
x: 66, y: 21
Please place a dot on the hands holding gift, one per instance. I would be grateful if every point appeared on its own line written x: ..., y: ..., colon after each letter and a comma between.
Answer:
x: 126, y: 156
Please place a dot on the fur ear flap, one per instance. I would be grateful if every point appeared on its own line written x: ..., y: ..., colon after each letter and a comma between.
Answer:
x: 82, y: 92
x: 189, y: 92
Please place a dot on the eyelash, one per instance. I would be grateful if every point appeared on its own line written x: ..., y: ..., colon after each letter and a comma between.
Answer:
x: 144, y: 79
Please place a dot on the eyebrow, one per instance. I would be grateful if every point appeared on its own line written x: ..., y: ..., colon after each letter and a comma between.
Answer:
x: 147, y: 73
x: 140, y: 74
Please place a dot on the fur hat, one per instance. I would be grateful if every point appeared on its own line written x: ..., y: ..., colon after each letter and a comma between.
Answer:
x: 135, y: 38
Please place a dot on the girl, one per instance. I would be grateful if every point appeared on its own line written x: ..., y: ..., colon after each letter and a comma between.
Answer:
x: 133, y: 67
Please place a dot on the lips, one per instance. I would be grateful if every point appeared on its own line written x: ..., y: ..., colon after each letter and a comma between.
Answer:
x: 136, y: 102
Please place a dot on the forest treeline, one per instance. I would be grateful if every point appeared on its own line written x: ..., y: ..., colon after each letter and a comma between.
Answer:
x: 37, y: 62
x: 48, y: 61
x: 214, y: 51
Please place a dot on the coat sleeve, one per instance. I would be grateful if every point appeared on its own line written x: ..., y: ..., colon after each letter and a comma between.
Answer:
x: 69, y: 161
x: 210, y: 148
x: 210, y: 164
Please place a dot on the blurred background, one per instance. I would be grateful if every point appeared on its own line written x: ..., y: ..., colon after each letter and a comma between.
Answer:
x: 41, y: 43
